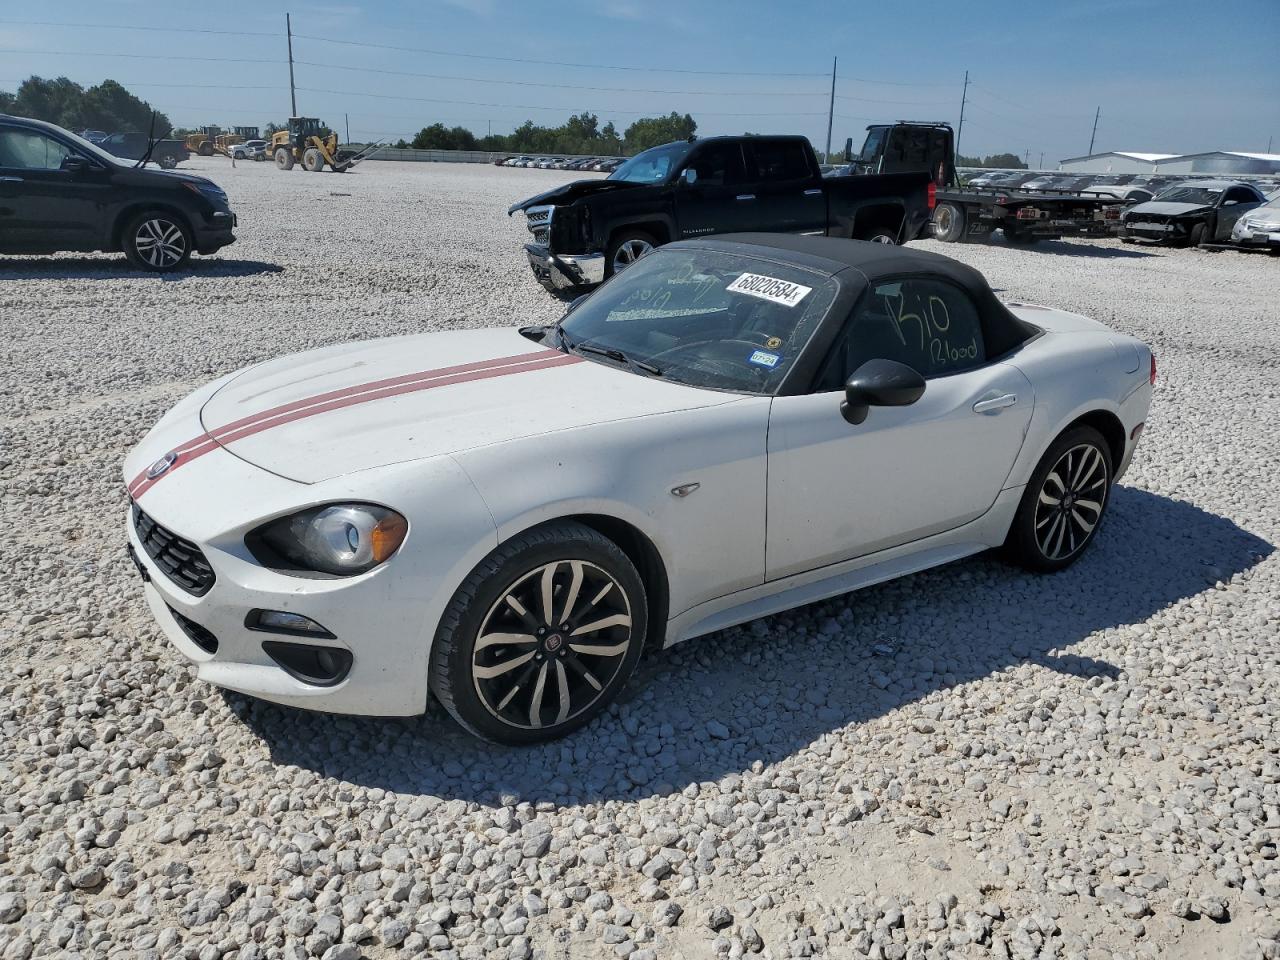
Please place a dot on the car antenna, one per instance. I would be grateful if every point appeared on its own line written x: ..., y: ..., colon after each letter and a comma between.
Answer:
x: 151, y: 143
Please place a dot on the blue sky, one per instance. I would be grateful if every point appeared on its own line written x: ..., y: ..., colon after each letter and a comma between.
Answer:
x: 1170, y: 75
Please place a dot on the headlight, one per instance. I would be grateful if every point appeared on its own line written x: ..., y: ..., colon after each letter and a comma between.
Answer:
x: 341, y: 538
x: 210, y: 191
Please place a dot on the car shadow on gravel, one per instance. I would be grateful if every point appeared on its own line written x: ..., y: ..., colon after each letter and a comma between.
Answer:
x: 1078, y: 248
x: 766, y: 690
x: 85, y: 268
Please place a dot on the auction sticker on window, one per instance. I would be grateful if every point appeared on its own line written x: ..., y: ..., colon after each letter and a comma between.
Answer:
x: 769, y: 288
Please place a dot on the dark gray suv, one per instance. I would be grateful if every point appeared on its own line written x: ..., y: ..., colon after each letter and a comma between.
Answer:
x: 59, y: 192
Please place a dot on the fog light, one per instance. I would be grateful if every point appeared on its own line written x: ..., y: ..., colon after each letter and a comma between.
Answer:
x: 281, y: 621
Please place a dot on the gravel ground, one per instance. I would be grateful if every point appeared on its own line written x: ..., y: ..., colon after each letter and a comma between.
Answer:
x: 968, y: 762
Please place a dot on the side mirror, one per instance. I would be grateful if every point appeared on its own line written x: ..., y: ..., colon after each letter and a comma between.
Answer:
x: 848, y: 150
x: 880, y: 383
x: 74, y: 165
x: 689, y: 176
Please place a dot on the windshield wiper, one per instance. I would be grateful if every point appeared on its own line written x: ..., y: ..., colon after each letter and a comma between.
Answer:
x: 609, y: 353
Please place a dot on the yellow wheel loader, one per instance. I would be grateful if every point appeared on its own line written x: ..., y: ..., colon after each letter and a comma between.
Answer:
x: 309, y: 143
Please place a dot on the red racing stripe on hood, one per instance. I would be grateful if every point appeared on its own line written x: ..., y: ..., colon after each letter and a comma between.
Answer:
x: 277, y: 416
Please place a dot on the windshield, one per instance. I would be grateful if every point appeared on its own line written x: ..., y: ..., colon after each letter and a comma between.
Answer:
x: 706, y: 318
x: 652, y: 166
x: 1200, y: 195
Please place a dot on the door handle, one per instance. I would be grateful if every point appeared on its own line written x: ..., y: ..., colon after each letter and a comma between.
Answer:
x: 11, y: 180
x: 813, y: 192
x: 995, y: 404
x: 746, y: 196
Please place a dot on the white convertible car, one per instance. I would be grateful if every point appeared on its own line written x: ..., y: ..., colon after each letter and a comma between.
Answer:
x: 509, y: 518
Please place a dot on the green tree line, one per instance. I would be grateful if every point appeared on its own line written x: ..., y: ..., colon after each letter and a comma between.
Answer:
x: 1001, y: 161
x: 106, y: 106
x: 581, y: 134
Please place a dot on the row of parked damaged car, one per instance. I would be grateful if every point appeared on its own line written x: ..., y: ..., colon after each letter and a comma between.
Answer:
x: 585, y: 164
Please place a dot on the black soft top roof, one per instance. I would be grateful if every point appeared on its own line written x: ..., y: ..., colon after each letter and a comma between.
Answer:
x: 861, y: 263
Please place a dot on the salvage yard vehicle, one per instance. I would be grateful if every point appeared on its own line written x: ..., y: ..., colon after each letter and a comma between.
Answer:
x: 508, y: 518
x: 586, y: 231
x: 250, y: 150
x: 1259, y: 227
x: 307, y: 141
x: 1193, y: 213
x: 166, y: 154
x: 59, y: 192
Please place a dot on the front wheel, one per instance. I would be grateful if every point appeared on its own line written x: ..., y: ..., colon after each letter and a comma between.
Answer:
x: 284, y: 158
x: 541, y: 636
x: 157, y: 241
x: 1062, y: 506
x: 625, y: 249
x: 313, y: 160
x: 167, y: 161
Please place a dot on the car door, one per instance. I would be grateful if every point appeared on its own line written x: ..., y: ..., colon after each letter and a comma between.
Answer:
x: 1235, y: 203
x: 708, y: 191
x: 837, y: 491
x: 785, y: 194
x: 44, y: 204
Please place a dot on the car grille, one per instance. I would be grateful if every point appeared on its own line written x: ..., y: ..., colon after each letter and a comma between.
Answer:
x: 538, y: 220
x: 180, y: 560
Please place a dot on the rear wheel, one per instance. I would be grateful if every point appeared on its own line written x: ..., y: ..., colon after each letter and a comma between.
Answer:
x: 541, y: 636
x: 157, y: 241
x: 206, y: 149
x: 626, y: 248
x: 1062, y: 506
x: 284, y: 158
x: 167, y: 161
x: 885, y: 234
x: 313, y: 160
x: 949, y: 223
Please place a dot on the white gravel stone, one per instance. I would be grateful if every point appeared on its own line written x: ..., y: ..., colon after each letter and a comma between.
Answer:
x: 970, y: 761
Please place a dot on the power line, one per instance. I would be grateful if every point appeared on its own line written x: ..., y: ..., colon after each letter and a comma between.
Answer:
x: 549, y: 63
x: 907, y: 103
x: 564, y: 86
x: 529, y: 106
x: 139, y: 56
x: 130, y: 27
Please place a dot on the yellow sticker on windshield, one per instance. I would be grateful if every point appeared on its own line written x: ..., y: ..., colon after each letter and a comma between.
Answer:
x: 769, y: 288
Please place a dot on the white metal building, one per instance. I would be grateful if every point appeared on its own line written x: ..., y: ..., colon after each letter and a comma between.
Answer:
x: 1116, y: 161
x: 1228, y: 162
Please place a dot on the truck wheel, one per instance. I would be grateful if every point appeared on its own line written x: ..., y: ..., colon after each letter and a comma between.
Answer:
x: 313, y: 160
x: 882, y: 234
x: 167, y: 161
x: 156, y: 240
x: 284, y: 158
x: 948, y: 223
x: 626, y: 247
x: 206, y: 149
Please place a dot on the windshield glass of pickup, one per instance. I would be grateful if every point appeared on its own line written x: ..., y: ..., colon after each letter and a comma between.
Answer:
x: 704, y: 318
x: 1188, y: 195
x: 653, y: 166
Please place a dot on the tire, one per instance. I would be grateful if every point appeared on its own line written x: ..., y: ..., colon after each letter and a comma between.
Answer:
x: 284, y: 158
x: 625, y: 248
x: 167, y: 161
x: 157, y: 241
x: 949, y: 223
x: 206, y: 149
x: 259, y: 157
x: 879, y: 234
x: 313, y: 160
x: 555, y: 685
x: 1038, y: 538
x: 1196, y: 237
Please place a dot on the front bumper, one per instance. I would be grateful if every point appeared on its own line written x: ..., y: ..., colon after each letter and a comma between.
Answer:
x: 1153, y: 230
x: 215, y: 232
x: 1255, y: 237
x: 564, y: 271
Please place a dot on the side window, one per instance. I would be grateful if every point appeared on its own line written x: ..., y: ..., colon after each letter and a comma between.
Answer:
x: 27, y: 150
x: 1239, y: 195
x: 719, y: 165
x: 929, y: 325
x: 780, y: 160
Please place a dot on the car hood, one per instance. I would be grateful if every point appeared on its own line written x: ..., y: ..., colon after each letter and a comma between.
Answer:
x: 1164, y: 208
x: 351, y: 407
x: 573, y: 191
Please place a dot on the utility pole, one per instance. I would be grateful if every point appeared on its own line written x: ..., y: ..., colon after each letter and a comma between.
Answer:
x: 1026, y: 157
x: 831, y: 110
x: 1041, y: 167
x: 346, y: 119
x: 1269, y: 139
x: 1094, y: 135
x: 293, y: 96
x: 960, y: 128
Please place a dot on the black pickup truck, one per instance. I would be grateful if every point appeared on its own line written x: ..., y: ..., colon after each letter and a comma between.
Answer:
x: 585, y: 231
x: 133, y: 146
